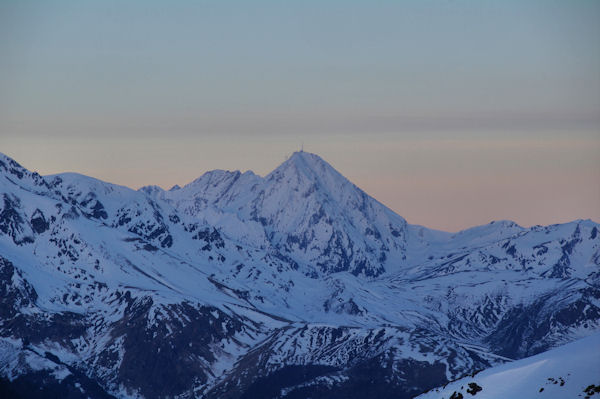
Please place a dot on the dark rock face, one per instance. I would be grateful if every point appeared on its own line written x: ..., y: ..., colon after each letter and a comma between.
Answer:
x: 211, y: 238
x: 92, y: 206
x: 152, y: 228
x: 158, y: 359
x: 369, y: 380
x: 12, y: 222
x: 61, y: 328
x: 15, y: 293
x: 524, y: 330
x: 42, y: 385
x: 371, y: 367
x: 374, y: 377
x: 15, y: 172
x: 474, y: 388
x: 169, y: 357
x: 38, y: 222
x: 288, y: 376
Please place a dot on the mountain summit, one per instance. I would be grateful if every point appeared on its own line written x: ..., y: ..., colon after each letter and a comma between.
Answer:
x: 307, y: 210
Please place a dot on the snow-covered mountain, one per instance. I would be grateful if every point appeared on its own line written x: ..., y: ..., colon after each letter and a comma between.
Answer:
x: 304, y: 208
x: 296, y: 284
x: 571, y: 371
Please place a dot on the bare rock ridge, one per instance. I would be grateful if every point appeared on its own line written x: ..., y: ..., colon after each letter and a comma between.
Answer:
x: 297, y: 284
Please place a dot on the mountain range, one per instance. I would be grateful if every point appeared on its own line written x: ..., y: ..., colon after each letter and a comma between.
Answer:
x: 293, y: 285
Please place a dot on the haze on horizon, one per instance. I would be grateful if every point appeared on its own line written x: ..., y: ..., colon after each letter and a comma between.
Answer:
x: 452, y: 113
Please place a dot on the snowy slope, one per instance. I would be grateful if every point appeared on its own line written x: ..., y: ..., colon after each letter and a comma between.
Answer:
x: 570, y: 371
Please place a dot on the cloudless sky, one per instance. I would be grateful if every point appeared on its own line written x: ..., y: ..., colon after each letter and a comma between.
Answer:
x: 453, y: 113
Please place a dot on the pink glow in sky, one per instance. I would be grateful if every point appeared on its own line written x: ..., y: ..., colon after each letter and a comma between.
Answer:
x: 452, y: 113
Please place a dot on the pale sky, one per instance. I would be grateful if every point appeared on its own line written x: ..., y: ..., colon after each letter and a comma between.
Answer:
x: 452, y: 113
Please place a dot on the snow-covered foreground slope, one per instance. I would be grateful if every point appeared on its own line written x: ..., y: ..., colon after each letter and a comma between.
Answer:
x: 297, y: 284
x: 570, y: 371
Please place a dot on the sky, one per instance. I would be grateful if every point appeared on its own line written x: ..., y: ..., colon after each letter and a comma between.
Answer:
x: 452, y: 113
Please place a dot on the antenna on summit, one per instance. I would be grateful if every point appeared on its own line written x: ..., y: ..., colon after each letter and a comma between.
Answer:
x: 302, y: 147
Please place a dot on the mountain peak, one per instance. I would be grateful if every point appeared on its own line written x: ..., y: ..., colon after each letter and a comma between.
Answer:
x: 305, y: 165
x: 151, y: 190
x: 14, y: 173
x: 11, y: 166
x: 309, y: 159
x: 305, y: 156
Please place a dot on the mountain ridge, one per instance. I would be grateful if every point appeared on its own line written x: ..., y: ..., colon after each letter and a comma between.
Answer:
x: 235, y: 276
